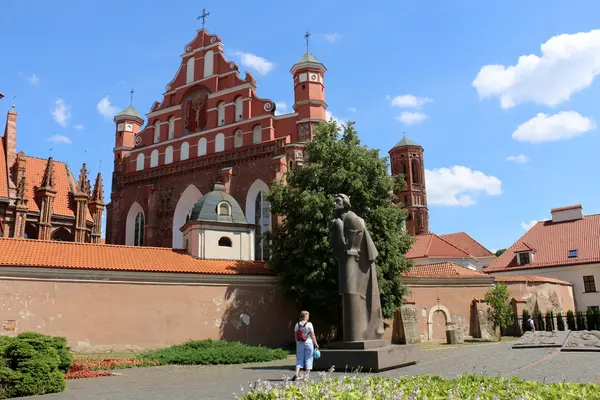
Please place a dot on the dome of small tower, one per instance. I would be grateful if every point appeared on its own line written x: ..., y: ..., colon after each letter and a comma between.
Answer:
x: 308, y: 61
x: 406, y: 142
x: 129, y: 112
x: 218, y: 206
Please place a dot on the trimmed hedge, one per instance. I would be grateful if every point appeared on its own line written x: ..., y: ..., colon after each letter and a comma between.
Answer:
x: 211, y: 352
x: 423, y: 387
x: 33, y: 364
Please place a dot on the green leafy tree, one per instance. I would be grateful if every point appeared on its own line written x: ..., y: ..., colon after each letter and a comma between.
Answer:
x: 571, y: 320
x: 560, y: 322
x: 300, y: 252
x: 500, y: 312
x: 499, y: 252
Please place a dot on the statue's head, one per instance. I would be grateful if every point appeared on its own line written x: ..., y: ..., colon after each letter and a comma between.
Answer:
x: 342, y: 202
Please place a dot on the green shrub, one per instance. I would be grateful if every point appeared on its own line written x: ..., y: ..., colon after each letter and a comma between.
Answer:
x: 539, y: 323
x: 31, y: 365
x: 571, y: 320
x: 424, y: 387
x: 560, y: 322
x: 57, y: 342
x: 549, y: 321
x: 524, y: 324
x: 580, y: 321
x: 210, y: 352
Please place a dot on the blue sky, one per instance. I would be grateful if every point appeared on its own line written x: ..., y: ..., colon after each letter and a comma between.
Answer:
x: 393, y: 66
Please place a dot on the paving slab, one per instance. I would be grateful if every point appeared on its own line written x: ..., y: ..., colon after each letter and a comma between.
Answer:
x: 539, y: 339
x: 583, y: 341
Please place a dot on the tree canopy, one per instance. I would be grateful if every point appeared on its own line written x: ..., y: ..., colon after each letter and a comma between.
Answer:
x: 500, y: 312
x: 300, y: 252
x: 499, y: 252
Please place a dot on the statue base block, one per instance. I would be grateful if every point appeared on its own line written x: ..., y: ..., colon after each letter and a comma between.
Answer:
x: 368, y: 359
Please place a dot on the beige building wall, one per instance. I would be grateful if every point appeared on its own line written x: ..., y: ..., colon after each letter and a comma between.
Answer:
x: 101, y: 310
x: 571, y: 273
x: 547, y: 296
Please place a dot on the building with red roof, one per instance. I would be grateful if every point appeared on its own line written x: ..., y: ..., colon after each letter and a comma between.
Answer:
x: 565, y: 248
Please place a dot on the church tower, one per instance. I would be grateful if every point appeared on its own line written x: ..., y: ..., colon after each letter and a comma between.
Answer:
x: 309, y: 93
x: 407, y: 159
x: 128, y: 122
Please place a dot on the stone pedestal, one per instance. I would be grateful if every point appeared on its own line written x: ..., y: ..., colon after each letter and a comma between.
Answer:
x: 454, y: 336
x: 367, y: 356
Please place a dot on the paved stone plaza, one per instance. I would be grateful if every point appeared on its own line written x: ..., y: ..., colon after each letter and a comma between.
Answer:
x: 224, y: 382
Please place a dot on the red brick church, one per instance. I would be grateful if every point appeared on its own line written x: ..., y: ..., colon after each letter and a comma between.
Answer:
x: 211, y: 126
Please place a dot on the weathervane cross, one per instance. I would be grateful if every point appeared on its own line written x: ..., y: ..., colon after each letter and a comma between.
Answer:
x: 203, y: 17
x: 307, y: 36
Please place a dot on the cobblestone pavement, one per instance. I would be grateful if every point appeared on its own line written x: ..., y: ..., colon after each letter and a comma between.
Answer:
x: 224, y: 382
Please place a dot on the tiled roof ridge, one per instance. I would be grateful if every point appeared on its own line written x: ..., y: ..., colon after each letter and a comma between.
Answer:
x: 45, y: 159
x: 473, y: 239
x: 456, y: 247
x: 531, y: 278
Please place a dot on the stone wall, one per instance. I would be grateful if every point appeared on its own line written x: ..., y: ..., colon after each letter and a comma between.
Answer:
x: 148, y: 311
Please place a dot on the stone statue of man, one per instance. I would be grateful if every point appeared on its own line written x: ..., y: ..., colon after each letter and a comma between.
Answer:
x: 356, y: 253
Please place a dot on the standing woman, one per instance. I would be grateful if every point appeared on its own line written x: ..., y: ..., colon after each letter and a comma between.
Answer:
x: 306, y: 342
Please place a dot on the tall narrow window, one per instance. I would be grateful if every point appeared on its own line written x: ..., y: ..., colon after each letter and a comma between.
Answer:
x: 189, y: 73
x: 139, y: 162
x: 157, y: 132
x: 589, y: 284
x: 201, y: 146
x: 239, y: 108
x: 416, y: 178
x: 171, y: 127
x: 138, y: 237
x: 256, y: 134
x: 221, y: 113
x: 169, y: 155
x: 262, y: 221
x: 208, y: 63
x: 238, y: 138
x: 184, y: 151
x: 154, y: 158
x: 219, y: 142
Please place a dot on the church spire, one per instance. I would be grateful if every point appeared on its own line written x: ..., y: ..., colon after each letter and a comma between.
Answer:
x: 83, y: 185
x: 48, y: 179
x: 98, y: 194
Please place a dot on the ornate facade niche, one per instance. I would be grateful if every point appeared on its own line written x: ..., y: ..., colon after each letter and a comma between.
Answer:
x: 194, y: 108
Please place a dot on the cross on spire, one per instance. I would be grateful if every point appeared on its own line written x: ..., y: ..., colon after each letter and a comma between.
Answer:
x: 203, y: 17
x: 307, y: 36
x: 131, y: 100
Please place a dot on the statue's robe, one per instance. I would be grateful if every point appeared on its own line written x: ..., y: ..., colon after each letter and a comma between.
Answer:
x: 356, y: 254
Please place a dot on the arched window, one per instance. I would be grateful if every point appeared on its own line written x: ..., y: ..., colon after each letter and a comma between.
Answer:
x: 256, y: 134
x: 154, y: 158
x: 201, y: 146
x: 262, y: 221
x: 219, y: 142
x: 221, y: 113
x: 189, y: 73
x: 156, y: 132
x: 138, y: 234
x: 415, y: 172
x: 169, y: 155
x: 139, y: 162
x: 238, y: 138
x: 184, y: 151
x: 225, y: 242
x: 224, y: 209
x: 171, y: 127
x: 208, y: 63
x: 62, y: 235
x: 239, y: 108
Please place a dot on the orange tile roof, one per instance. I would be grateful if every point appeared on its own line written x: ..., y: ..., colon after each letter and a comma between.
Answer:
x: 519, y: 300
x: 465, y: 242
x: 551, y: 243
x: 432, y: 246
x: 442, y: 270
x: 64, y: 183
x: 530, y: 278
x: 3, y: 171
x: 68, y: 255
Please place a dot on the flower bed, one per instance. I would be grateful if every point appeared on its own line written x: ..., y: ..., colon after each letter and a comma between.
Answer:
x: 423, y: 387
x: 92, y: 367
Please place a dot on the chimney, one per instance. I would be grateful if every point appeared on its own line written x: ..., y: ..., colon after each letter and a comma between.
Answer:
x: 568, y: 213
x: 10, y: 137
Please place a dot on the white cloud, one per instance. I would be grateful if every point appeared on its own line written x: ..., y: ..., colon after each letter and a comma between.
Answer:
x: 34, y: 79
x: 106, y: 108
x: 549, y: 128
x: 408, y: 101
x: 59, y: 139
x: 252, y: 61
x: 458, y: 186
x: 352, y: 109
x: 280, y: 107
x: 79, y: 127
x: 568, y: 64
x: 61, y: 112
x: 528, y: 225
x: 329, y: 115
x: 520, y: 159
x: 411, y: 118
x: 332, y: 37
